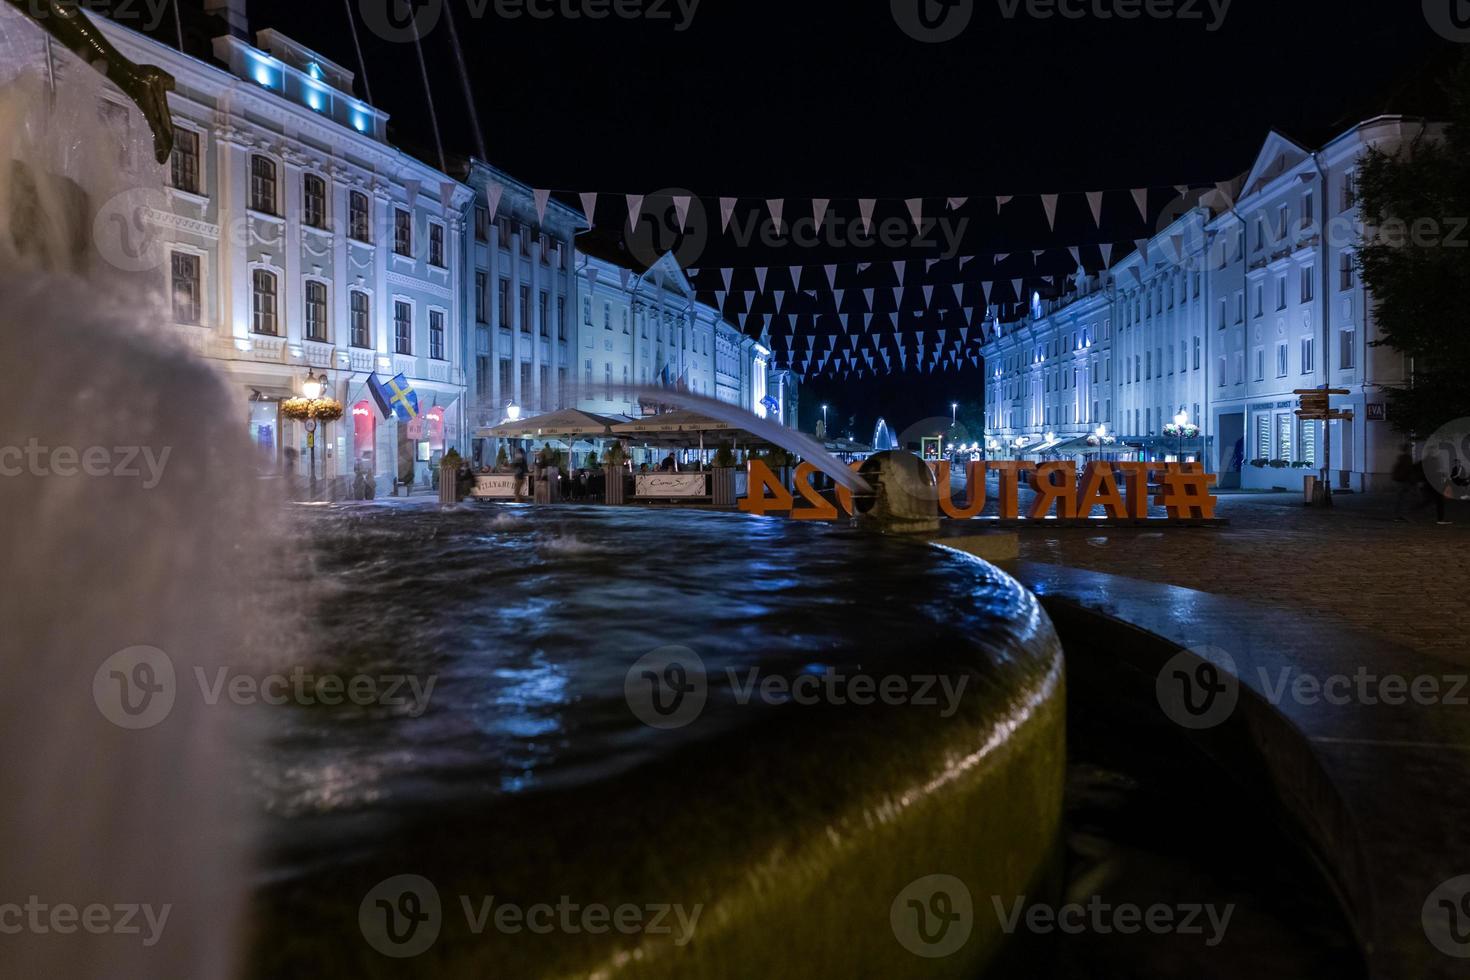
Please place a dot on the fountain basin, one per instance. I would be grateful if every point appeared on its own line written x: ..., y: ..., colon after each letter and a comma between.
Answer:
x: 781, y: 826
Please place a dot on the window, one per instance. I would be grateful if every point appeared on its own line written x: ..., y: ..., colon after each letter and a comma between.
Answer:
x: 1309, y: 443
x: 316, y: 310
x: 1196, y: 353
x: 502, y: 232
x: 1263, y: 437
x: 607, y: 381
x: 525, y: 240
x: 1308, y: 277
x: 482, y: 224
x: 505, y: 317
x: 184, y: 272
x: 1308, y: 356
x: 436, y: 334
x: 1347, y: 353
x: 1148, y: 364
x: 1281, y: 366
x: 1260, y: 299
x: 1309, y: 208
x: 1223, y: 307
x: 1220, y: 372
x: 1347, y: 273
x: 587, y: 312
x: 361, y: 332
x: 482, y: 375
x: 527, y: 395
x: 587, y: 376
x: 625, y: 322
x: 1240, y: 367
x: 482, y: 298
x: 561, y: 318
x: 1283, y: 436
x: 1240, y: 307
x: 402, y: 327
x: 1280, y: 293
x: 1260, y: 364
x: 184, y: 164
x: 545, y: 310
x: 506, y: 392
x: 436, y: 245
x: 314, y: 201
x: 402, y: 232
x: 1284, y: 215
x: 607, y: 316
x: 1350, y: 192
x: 262, y: 185
x: 544, y: 391
x: 358, y: 217
x: 525, y: 309
x: 263, y: 302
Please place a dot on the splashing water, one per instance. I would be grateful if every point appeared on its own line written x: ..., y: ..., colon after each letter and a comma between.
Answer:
x: 131, y: 564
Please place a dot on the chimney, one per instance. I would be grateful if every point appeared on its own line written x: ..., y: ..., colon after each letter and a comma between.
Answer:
x: 232, y: 12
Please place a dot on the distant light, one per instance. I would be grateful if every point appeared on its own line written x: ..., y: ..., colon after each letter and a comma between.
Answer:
x: 314, y: 70
x: 263, y: 75
x: 314, y: 99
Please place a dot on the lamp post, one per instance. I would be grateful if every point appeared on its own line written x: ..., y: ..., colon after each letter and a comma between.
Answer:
x: 1180, y: 421
x: 312, y: 388
x: 954, y: 413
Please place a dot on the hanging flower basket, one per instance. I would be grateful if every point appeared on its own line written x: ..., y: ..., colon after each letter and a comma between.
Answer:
x: 311, y: 410
x: 1188, y: 431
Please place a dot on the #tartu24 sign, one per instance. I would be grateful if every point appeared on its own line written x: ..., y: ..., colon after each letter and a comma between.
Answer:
x: 1184, y: 491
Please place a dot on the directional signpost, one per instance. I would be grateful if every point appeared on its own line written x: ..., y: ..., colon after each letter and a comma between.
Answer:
x: 1316, y: 407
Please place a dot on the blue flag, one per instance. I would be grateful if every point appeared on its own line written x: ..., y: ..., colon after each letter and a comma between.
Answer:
x: 397, y: 397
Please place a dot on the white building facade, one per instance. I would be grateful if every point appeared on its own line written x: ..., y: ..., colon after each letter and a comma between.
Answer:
x: 299, y: 241
x: 1248, y: 295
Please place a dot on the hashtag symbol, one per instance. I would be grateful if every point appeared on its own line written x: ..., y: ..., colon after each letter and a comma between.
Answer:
x: 1186, y: 491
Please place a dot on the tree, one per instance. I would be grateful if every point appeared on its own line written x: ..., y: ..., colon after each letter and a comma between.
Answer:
x: 1414, y: 257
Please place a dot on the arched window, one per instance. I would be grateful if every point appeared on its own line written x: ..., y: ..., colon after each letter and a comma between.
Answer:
x: 316, y: 310
x: 314, y: 198
x: 263, y: 303
x: 263, y: 185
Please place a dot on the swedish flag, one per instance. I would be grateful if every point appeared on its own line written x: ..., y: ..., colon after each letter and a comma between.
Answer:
x: 397, y: 397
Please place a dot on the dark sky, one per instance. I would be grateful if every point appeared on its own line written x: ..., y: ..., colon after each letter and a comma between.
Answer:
x: 799, y: 98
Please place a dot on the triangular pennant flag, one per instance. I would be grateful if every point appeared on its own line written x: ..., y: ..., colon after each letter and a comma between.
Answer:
x: 681, y: 209
x: 928, y: 296
x: 1094, y: 201
x: 1076, y: 255
x: 1036, y: 254
x: 493, y: 191
x: 1142, y: 245
x: 959, y: 293
x: 1002, y: 200
x: 964, y: 259
x: 719, y: 299
x: 1183, y: 189
x: 1001, y: 257
x: 955, y: 203
x: 898, y: 298
x: 635, y: 206
x: 1049, y: 202
x: 964, y: 335
x: 726, y: 274
x: 868, y: 296
x: 542, y: 196
x: 987, y: 287
x: 791, y: 321
x: 929, y: 264
x: 777, y: 205
x: 589, y: 205
x: 1178, y: 242
x: 1107, y: 254
x: 1140, y: 197
x: 916, y: 210
x: 760, y: 277
x: 1016, y: 288
x: 819, y: 209
x: 625, y: 276
x: 591, y: 278
x: 727, y: 208
x: 899, y: 268
x: 867, y: 321
x: 1224, y: 188
x: 780, y: 294
x: 837, y: 295
x: 831, y: 271
x: 749, y: 299
x: 865, y: 209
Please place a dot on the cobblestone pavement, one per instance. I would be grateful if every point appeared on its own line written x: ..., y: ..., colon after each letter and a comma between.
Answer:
x: 1407, y: 582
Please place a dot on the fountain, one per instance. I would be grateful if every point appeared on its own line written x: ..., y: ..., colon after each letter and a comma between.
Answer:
x: 883, y: 437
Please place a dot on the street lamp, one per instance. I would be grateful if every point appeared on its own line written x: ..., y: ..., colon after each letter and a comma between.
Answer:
x: 513, y: 412
x: 312, y: 388
x: 954, y: 413
x: 824, y: 420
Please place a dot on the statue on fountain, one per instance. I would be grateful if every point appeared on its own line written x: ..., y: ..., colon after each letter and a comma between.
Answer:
x: 147, y: 85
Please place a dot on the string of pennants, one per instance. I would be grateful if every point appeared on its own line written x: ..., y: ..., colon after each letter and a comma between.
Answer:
x: 791, y: 292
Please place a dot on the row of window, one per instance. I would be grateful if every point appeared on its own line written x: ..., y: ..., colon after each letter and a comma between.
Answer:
x: 552, y: 251
x: 482, y: 307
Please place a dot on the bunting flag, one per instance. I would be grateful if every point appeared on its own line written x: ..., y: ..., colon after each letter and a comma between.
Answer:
x: 635, y: 207
x: 819, y: 209
x: 542, y: 196
x: 1001, y: 201
x: 1107, y: 254
x: 589, y: 205
x: 1094, y: 201
x: 1140, y: 197
x: 727, y: 208
x: 865, y: 209
x: 1142, y: 245
x: 916, y: 210
x: 493, y: 192
x: 760, y: 277
x: 831, y: 271
x: 1049, y: 202
x: 681, y: 209
x: 776, y: 205
x: 591, y: 278
x: 955, y: 203
x: 726, y: 274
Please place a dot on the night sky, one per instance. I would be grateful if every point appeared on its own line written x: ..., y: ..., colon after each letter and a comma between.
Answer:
x: 804, y: 99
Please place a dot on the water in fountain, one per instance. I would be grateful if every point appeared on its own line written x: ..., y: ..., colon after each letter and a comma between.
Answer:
x: 883, y: 437
x: 125, y: 529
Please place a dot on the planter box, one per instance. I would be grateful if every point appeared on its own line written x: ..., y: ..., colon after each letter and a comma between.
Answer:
x: 616, y: 494
x: 722, y: 486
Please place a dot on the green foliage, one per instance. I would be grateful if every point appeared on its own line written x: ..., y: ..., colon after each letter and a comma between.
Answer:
x: 1414, y: 256
x: 616, y: 454
x: 502, y: 458
x: 592, y: 459
x: 724, y: 456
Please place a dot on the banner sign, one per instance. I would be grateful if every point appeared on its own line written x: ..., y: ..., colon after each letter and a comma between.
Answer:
x: 671, y: 485
x: 495, y: 486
